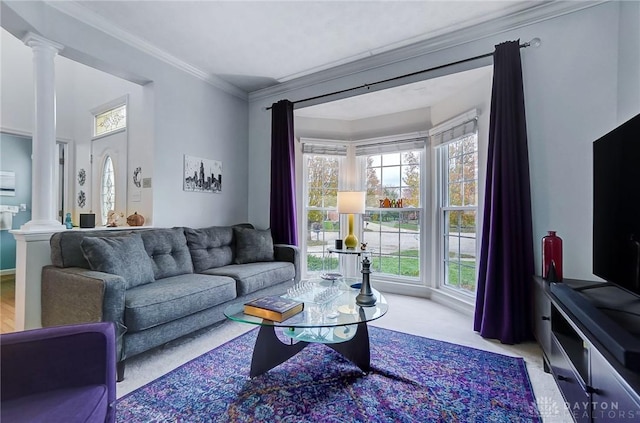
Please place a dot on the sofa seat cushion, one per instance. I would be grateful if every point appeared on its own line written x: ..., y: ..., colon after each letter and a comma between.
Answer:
x: 252, y: 277
x: 83, y: 404
x: 171, y: 298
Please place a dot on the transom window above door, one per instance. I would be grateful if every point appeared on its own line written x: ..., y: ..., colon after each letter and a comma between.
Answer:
x: 110, y: 120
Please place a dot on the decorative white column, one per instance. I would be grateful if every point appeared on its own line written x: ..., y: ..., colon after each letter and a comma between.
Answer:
x: 32, y: 239
x: 44, y: 185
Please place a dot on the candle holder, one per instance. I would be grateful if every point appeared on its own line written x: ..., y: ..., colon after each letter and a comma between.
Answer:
x: 366, y: 298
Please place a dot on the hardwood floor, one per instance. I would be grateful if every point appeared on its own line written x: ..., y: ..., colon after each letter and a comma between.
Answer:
x: 7, y: 303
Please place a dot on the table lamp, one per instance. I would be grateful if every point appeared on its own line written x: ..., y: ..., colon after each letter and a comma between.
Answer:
x: 350, y: 202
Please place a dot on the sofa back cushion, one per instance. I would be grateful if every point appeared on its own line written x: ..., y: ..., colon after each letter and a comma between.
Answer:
x: 66, y: 250
x: 210, y: 247
x: 119, y: 255
x: 168, y: 251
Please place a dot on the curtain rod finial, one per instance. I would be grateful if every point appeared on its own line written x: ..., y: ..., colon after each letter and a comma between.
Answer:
x: 535, y: 42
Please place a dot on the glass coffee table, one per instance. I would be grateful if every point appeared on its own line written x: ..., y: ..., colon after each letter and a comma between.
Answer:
x: 330, y: 317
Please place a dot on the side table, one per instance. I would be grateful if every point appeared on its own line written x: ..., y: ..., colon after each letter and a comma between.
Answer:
x: 346, y: 254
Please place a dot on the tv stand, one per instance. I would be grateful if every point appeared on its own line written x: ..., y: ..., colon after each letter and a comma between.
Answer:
x: 594, y: 358
x: 591, y: 286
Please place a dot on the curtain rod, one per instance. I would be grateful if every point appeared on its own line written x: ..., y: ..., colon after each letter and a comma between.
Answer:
x: 534, y: 42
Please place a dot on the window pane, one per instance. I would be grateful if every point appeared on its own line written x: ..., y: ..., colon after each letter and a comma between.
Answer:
x: 470, y: 194
x: 455, y: 169
x: 410, y: 266
x: 108, y: 189
x: 111, y: 120
x: 392, y: 159
x: 455, y: 194
x: 455, y: 149
x: 409, y: 244
x: 315, y: 197
x: 323, y: 228
x: 411, y: 180
x: 322, y: 181
x: 374, y: 160
x: 470, y: 144
x: 323, y: 225
x: 460, y: 250
x: 470, y: 169
x: 391, y: 176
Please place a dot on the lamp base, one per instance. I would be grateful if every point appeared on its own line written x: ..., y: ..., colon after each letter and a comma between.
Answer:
x: 350, y: 242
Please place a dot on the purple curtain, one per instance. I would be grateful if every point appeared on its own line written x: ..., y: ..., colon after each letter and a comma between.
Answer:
x: 503, y: 301
x: 284, y: 227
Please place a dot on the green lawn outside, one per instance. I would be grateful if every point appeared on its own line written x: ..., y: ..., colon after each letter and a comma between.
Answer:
x: 461, y: 275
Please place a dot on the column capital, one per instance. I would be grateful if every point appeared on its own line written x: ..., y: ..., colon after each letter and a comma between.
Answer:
x: 34, y: 40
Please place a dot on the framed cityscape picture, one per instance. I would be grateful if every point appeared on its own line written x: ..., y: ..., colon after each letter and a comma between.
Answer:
x: 202, y: 175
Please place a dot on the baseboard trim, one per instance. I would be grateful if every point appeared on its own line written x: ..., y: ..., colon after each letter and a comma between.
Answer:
x: 441, y: 297
x: 402, y: 288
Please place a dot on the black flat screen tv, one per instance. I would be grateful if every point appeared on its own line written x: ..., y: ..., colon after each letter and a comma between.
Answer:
x: 616, y: 206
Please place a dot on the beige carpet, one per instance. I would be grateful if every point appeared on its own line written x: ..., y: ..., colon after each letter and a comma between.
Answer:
x: 406, y: 314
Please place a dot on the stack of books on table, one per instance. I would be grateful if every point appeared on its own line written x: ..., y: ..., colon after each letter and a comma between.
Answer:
x: 273, y: 308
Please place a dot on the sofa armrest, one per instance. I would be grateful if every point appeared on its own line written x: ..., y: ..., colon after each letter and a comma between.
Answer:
x: 75, y: 295
x: 290, y: 253
x: 41, y: 360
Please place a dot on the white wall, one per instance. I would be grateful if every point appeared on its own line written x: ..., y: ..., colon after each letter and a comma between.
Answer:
x: 571, y: 95
x: 193, y: 118
x: 629, y: 61
x: 182, y: 115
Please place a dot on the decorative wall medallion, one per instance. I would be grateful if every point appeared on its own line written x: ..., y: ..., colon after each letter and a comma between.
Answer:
x: 137, y: 176
x: 82, y: 177
x: 82, y: 199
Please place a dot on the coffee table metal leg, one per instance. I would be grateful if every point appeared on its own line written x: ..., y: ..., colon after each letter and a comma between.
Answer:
x: 357, y: 348
x: 269, y: 351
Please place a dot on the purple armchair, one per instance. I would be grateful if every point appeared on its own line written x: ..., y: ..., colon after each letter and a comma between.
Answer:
x: 59, y: 374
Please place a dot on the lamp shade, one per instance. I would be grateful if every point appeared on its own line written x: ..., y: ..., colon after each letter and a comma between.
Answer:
x: 351, y: 202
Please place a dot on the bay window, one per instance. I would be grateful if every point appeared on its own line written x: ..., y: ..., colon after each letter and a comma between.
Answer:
x: 421, y: 219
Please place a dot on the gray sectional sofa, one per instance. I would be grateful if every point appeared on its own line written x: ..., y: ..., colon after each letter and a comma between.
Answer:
x: 160, y: 284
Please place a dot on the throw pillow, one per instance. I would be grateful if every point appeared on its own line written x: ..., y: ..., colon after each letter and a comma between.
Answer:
x: 253, y: 245
x: 124, y: 256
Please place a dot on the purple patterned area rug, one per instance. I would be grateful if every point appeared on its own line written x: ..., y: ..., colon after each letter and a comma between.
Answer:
x: 413, y: 379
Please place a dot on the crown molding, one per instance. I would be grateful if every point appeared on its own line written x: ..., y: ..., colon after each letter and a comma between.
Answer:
x: 539, y: 13
x: 403, y: 43
x: 82, y: 14
x: 34, y: 40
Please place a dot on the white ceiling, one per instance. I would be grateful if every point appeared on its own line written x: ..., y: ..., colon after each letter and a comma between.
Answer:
x: 398, y: 99
x: 257, y: 44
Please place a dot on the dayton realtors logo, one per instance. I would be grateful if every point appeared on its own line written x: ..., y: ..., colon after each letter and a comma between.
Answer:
x: 598, y: 410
